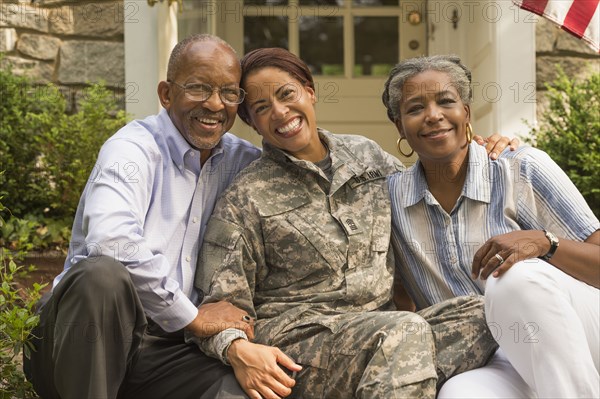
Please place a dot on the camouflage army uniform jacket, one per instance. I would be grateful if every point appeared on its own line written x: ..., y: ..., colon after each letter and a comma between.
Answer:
x: 288, y: 246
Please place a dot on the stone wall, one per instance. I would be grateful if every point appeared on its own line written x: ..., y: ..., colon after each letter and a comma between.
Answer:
x: 555, y: 47
x: 70, y: 43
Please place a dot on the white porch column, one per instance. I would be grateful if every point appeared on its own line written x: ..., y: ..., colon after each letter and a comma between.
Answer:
x: 150, y: 35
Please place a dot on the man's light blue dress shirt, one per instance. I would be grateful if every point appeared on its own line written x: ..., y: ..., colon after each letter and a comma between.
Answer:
x: 147, y: 203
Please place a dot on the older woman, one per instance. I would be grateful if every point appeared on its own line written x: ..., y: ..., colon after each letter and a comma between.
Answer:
x: 459, y: 216
x: 300, y: 241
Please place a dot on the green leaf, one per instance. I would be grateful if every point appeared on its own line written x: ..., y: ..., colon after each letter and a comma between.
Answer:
x: 569, y: 131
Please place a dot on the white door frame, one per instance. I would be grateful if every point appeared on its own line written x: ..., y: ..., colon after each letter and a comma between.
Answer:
x: 504, y: 46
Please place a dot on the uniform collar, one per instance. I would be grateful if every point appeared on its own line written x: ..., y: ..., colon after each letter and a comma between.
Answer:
x: 339, y: 153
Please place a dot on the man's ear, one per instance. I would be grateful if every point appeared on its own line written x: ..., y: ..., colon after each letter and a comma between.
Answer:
x: 398, y: 124
x: 164, y: 94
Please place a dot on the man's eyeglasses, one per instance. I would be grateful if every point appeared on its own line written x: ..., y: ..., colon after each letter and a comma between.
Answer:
x: 203, y: 91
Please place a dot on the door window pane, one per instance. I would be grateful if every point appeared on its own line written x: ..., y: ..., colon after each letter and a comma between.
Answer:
x: 188, y: 25
x: 366, y: 3
x: 265, y: 2
x: 321, y: 2
x: 192, y: 19
x: 375, y: 45
x: 322, y: 44
x: 265, y: 32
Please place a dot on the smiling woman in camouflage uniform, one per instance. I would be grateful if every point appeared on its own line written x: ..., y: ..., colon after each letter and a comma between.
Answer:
x: 300, y: 241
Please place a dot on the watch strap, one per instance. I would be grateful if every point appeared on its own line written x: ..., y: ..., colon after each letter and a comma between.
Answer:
x: 553, y: 245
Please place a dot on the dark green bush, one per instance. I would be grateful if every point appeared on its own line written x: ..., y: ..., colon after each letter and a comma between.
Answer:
x: 569, y: 131
x: 24, y: 181
x: 47, y: 155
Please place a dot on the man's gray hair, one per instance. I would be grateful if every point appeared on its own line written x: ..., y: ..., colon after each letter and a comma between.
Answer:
x: 179, y: 50
x: 460, y: 78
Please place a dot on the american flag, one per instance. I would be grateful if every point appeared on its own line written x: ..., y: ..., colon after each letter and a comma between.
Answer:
x: 578, y: 17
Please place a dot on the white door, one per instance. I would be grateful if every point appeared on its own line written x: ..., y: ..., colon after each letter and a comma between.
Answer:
x: 495, y: 38
x: 350, y: 46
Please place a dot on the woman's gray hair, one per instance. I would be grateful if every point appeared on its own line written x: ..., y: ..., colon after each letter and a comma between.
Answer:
x: 459, y: 75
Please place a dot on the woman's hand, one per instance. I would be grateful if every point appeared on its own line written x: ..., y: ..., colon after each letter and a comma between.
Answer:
x: 259, y: 369
x: 495, y: 144
x: 499, y: 253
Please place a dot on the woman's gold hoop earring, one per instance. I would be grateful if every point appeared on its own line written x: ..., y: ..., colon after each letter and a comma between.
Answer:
x: 469, y: 133
x: 400, y: 148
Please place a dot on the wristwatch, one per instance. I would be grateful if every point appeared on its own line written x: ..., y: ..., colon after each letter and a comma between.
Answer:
x: 553, y: 245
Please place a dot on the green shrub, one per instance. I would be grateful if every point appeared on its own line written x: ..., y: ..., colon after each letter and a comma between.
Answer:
x: 47, y: 155
x: 17, y: 319
x: 70, y: 146
x: 35, y: 233
x: 569, y: 131
x: 24, y: 180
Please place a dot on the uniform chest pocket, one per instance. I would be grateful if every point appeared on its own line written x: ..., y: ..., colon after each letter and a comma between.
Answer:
x: 295, y: 243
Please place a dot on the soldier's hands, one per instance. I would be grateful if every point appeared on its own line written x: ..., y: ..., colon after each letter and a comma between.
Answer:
x: 495, y: 144
x: 215, y: 317
x: 501, y: 252
x: 257, y: 369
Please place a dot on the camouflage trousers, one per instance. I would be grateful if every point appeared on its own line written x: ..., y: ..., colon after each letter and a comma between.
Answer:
x: 386, y: 355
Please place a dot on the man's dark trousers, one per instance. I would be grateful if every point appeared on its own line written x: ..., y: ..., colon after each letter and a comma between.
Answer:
x: 94, y: 341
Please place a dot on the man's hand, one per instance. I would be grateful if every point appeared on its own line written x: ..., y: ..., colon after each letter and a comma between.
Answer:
x: 495, y: 144
x: 257, y: 369
x: 501, y: 252
x: 215, y: 317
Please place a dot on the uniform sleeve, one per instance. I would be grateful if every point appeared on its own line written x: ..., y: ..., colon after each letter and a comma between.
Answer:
x: 227, y: 268
x: 389, y: 163
x: 547, y: 199
x: 393, y: 163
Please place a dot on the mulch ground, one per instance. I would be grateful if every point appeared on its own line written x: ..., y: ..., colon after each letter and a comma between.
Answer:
x: 47, y: 266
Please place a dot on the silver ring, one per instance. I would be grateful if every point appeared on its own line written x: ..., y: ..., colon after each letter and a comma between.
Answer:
x: 246, y: 318
x: 500, y: 258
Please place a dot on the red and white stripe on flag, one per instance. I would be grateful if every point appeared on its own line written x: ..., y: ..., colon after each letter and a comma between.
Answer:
x: 578, y: 17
